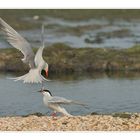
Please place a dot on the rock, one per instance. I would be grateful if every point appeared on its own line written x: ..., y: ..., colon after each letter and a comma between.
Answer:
x: 36, y: 17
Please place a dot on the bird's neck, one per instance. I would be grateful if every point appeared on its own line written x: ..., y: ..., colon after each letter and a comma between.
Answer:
x: 46, y: 98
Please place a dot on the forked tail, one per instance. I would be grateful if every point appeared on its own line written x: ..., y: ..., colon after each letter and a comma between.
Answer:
x: 33, y: 76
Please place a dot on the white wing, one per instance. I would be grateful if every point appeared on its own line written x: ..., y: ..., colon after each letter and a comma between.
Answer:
x: 61, y: 100
x: 39, y: 61
x: 17, y: 41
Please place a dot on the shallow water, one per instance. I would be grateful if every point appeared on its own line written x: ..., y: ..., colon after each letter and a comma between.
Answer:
x: 64, y: 31
x: 103, y: 95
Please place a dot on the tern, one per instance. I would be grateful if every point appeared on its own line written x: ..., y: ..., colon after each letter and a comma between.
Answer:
x: 55, y: 102
x: 35, y: 62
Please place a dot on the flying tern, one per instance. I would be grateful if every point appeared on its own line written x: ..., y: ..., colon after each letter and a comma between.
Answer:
x: 55, y: 102
x: 36, y: 62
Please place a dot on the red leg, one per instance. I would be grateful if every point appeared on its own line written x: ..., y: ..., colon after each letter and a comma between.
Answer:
x: 53, y: 114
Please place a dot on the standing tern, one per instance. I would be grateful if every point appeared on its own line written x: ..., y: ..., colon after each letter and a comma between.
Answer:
x: 55, y: 102
x: 36, y: 62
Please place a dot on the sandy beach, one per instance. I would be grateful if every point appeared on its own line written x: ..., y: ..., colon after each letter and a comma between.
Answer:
x: 76, y: 123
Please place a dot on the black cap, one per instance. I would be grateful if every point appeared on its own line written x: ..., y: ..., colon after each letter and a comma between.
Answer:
x: 46, y: 90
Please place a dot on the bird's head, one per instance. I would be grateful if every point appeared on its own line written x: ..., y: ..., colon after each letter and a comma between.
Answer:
x: 45, y: 71
x: 45, y: 92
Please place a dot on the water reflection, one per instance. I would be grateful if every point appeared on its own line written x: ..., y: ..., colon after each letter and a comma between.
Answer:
x: 103, y: 92
x: 81, y: 76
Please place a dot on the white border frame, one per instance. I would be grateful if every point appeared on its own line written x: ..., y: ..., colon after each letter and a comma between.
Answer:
x: 70, y: 4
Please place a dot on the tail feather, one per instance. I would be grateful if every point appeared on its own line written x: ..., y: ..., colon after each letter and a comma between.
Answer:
x: 33, y: 76
x: 64, y: 112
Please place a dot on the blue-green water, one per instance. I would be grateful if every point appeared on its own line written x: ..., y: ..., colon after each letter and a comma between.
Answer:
x: 103, y: 95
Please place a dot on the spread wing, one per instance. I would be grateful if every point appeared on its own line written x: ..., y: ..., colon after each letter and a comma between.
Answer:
x: 39, y: 61
x: 17, y: 41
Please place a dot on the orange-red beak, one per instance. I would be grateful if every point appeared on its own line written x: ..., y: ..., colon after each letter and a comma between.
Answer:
x: 47, y: 73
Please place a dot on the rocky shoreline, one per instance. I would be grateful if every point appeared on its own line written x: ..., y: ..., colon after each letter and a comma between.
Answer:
x: 64, y: 59
x: 123, y: 122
